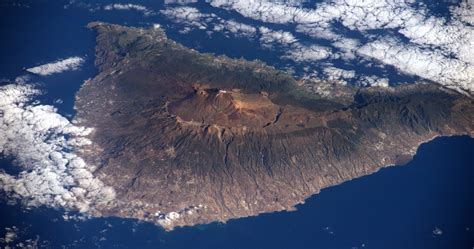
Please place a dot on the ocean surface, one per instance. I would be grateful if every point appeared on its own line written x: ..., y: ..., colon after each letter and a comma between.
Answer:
x: 427, y: 203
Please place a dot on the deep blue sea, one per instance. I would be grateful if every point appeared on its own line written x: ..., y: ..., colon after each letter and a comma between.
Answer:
x: 428, y: 203
x: 398, y: 207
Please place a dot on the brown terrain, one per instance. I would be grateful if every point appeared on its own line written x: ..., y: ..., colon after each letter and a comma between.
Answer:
x: 187, y: 138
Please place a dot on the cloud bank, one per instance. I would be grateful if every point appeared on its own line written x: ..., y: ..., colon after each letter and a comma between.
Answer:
x: 72, y: 63
x: 43, y: 144
x: 403, y: 34
x: 437, y: 47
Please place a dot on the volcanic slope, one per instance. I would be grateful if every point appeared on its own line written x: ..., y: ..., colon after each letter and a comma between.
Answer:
x: 188, y: 138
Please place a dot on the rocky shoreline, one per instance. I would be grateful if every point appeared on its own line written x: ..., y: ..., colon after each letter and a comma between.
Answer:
x: 186, y: 138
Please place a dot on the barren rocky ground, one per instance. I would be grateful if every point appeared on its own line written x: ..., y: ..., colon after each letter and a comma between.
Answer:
x: 187, y: 138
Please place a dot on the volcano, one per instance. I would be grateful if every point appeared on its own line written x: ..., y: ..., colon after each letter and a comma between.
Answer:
x: 189, y: 138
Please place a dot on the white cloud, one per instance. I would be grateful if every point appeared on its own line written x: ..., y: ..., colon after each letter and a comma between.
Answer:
x: 261, y: 10
x: 21, y: 79
x: 301, y: 53
x: 129, y: 6
x: 59, y: 66
x: 268, y: 37
x: 451, y: 38
x: 189, y: 16
x: 448, y: 41
x: 347, y: 47
x: 180, y: 1
x: 373, y: 81
x: 426, y: 63
x: 43, y: 145
x: 355, y: 14
x: 337, y: 74
x: 239, y: 29
x: 464, y: 11
x: 294, y: 50
x: 11, y: 234
x: 318, y: 30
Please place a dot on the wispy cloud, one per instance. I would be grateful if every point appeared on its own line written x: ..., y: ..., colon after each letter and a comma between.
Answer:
x: 59, y: 66
x: 129, y: 6
x: 180, y: 1
x: 269, y: 38
x: 11, y: 234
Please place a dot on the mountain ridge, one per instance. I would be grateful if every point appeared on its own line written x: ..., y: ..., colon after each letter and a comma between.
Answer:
x: 187, y: 138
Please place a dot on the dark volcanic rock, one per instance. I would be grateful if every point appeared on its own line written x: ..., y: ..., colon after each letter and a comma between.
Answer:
x: 188, y: 138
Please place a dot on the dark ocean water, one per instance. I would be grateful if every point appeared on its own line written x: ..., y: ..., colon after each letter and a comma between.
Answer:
x: 398, y: 207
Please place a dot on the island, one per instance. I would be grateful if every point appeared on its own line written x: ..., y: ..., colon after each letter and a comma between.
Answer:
x: 188, y: 138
